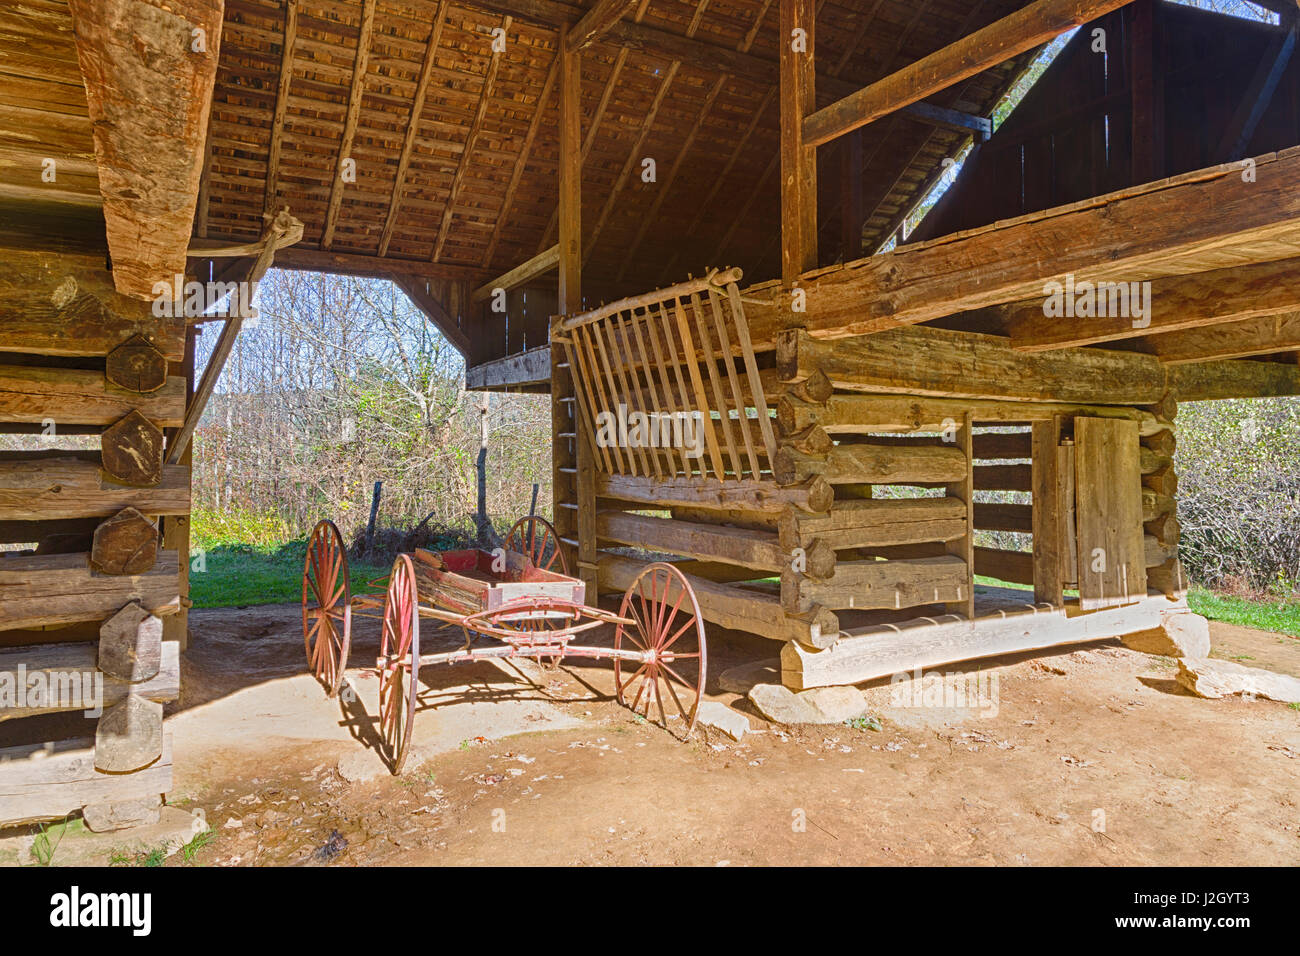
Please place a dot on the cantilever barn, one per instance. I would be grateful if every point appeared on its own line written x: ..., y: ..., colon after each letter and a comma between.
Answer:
x: 702, y: 207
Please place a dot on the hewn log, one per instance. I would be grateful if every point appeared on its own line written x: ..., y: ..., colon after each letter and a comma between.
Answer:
x: 848, y: 414
x: 876, y: 522
x: 129, y: 736
x: 1014, y: 566
x: 741, y: 609
x: 1004, y: 478
x: 68, y: 396
x: 135, y: 52
x: 130, y: 645
x: 870, y: 464
x: 126, y: 543
x: 38, y: 782
x: 1221, y: 221
x: 1178, y: 302
x: 39, y: 590
x: 990, y: 516
x: 70, y: 488
x: 1235, y: 378
x: 70, y: 681
x: 864, y: 585
x: 136, y: 366
x: 752, y: 549
x: 942, y: 363
x: 54, y: 304
x: 868, y: 653
x: 132, y: 450
x: 814, y: 496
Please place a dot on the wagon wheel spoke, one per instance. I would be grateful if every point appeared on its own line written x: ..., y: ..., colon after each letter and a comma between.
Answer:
x: 680, y: 631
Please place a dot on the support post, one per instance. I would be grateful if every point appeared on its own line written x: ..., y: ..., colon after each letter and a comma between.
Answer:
x: 798, y: 160
x: 1046, y: 515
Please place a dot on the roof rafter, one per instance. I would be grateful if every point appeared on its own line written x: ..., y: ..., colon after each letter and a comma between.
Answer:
x: 284, y: 81
x: 596, y: 22
x: 485, y: 97
x: 355, y: 94
x: 413, y: 124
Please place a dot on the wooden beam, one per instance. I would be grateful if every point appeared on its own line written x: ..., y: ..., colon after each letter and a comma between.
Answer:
x: 570, y: 182
x: 1236, y: 378
x: 596, y: 22
x: 149, y: 95
x: 521, y: 161
x: 798, y: 155
x: 1262, y: 336
x: 74, y: 666
x: 345, y: 263
x: 283, y: 82
x: 72, y: 396
x: 45, y: 782
x: 41, y: 590
x: 867, y: 653
x: 514, y: 371
x: 980, y: 51
x: 64, y: 487
x: 538, y: 265
x: 1222, y: 221
x: 283, y: 225
x: 968, y: 365
x: 355, y: 94
x: 471, y: 139
x: 417, y: 290
x: 1178, y: 302
x: 413, y: 125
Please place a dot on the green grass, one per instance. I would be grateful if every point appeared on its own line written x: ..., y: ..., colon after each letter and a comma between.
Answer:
x: 1275, y: 615
x: 235, y: 575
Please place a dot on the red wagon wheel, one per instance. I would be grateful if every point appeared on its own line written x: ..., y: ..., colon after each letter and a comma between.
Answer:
x: 669, y: 636
x: 399, y: 669
x: 326, y: 606
x: 537, y: 539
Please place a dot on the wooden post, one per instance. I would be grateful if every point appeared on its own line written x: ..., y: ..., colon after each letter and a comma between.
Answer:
x: 565, y: 416
x: 1048, y: 531
x: 798, y: 162
x: 374, y: 516
x: 964, y: 490
x: 481, y: 516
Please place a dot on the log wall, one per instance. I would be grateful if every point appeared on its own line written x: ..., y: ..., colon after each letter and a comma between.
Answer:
x: 94, y: 527
x: 879, y: 505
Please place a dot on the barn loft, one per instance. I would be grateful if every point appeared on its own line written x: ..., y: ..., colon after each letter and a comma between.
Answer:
x: 653, y: 206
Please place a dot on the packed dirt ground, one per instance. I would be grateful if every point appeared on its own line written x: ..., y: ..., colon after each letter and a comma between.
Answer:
x: 1094, y: 756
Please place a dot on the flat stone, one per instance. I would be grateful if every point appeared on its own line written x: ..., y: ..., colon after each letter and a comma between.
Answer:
x: 820, y: 705
x: 722, y: 718
x: 1213, y: 679
x: 740, y: 679
x: 835, y: 704
x: 1182, y: 634
x: 106, y: 817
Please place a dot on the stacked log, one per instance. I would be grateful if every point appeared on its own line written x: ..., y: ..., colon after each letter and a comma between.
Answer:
x: 93, y: 585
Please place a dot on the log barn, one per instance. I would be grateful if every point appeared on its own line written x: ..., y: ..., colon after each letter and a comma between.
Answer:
x: 728, y: 210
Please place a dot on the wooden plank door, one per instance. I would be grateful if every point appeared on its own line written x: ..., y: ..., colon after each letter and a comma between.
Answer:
x: 1108, y: 507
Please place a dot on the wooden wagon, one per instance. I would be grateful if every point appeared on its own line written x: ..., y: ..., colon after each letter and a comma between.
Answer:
x: 521, y: 597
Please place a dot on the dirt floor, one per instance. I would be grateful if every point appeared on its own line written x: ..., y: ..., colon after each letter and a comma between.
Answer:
x: 1094, y: 756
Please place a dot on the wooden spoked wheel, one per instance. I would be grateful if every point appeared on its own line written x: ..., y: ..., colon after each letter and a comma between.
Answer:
x: 326, y: 606
x: 669, y: 634
x: 399, y: 670
x: 537, y: 540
